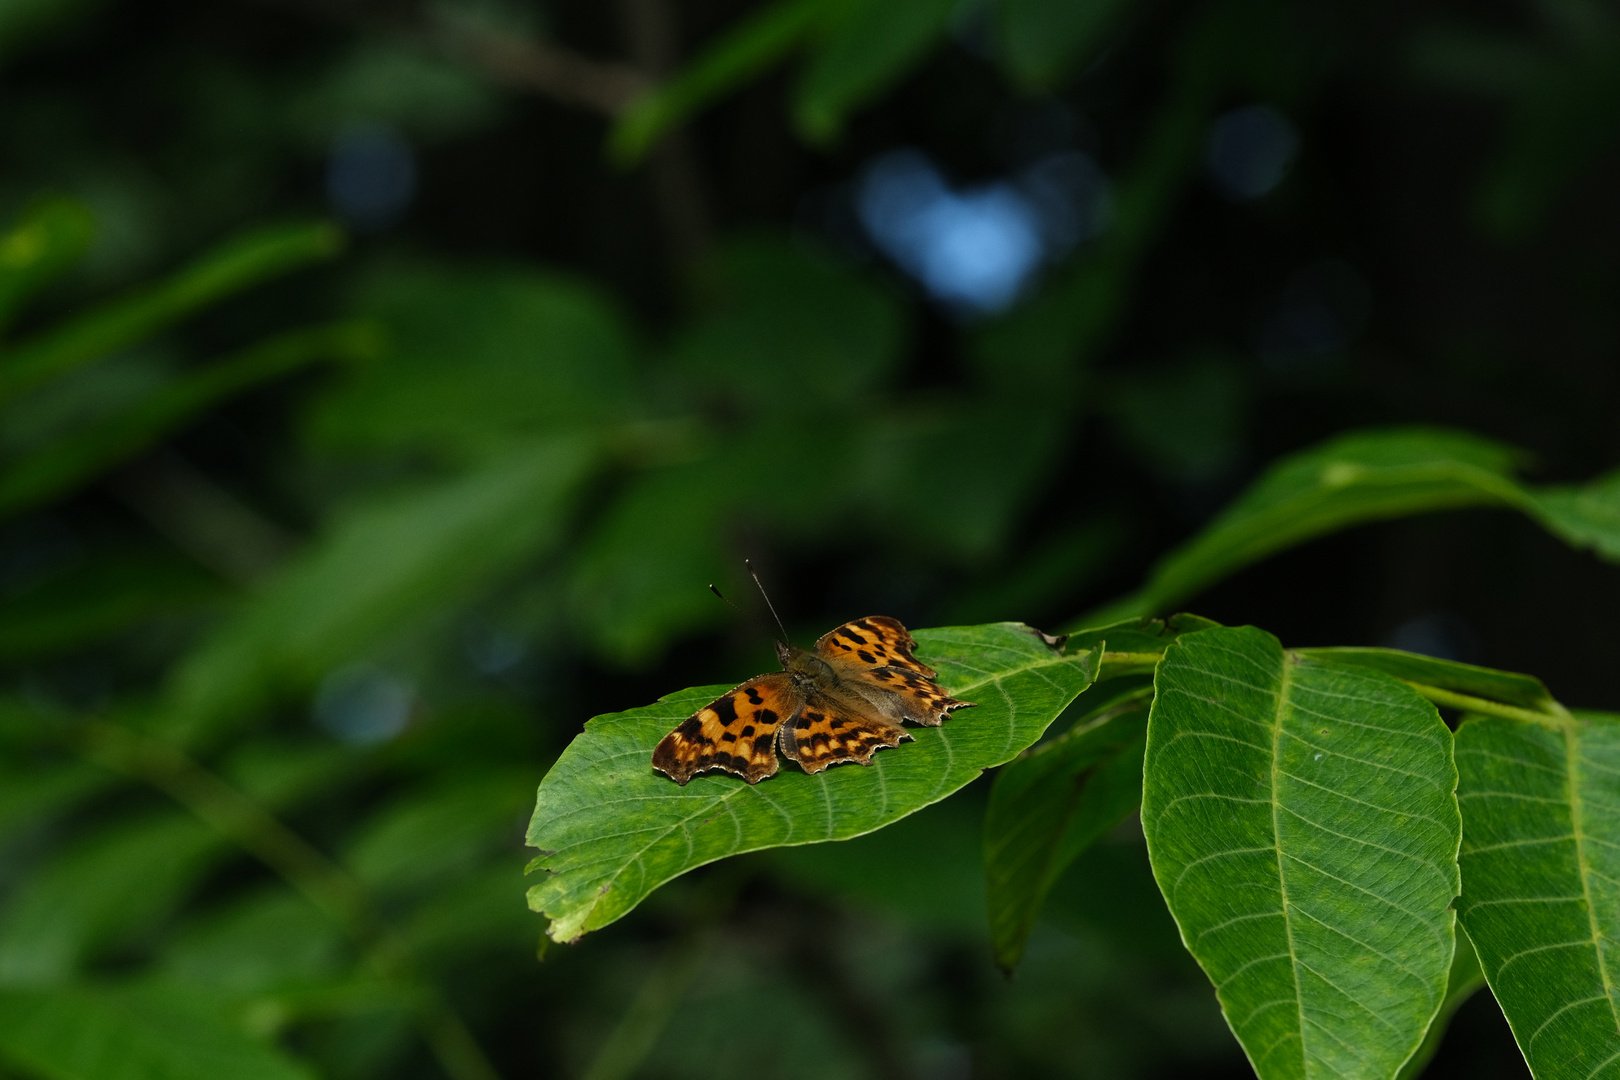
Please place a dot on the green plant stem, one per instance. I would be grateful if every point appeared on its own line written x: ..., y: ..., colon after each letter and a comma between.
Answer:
x: 1115, y: 664
x: 1469, y: 703
x: 327, y: 885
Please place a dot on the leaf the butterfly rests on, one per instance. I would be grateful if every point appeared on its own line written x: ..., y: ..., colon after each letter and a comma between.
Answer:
x: 842, y: 702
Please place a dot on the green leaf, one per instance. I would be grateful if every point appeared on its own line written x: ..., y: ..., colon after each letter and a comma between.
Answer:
x: 1464, y: 982
x: 106, y: 594
x: 1361, y: 477
x: 612, y: 830
x: 388, y: 566
x: 745, y: 50
x: 1541, y: 883
x: 1523, y: 691
x: 50, y: 236
x: 1585, y: 515
x: 832, y: 337
x: 272, y: 939
x: 1042, y: 41
x: 58, y: 468
x: 1302, y: 824
x: 429, y: 836
x: 97, y: 892
x: 236, y: 265
x: 869, y: 48
x: 148, y: 1032
x: 1052, y: 802
x: 475, y: 357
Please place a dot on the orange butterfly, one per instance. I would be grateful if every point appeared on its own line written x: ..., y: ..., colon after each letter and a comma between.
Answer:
x: 841, y: 702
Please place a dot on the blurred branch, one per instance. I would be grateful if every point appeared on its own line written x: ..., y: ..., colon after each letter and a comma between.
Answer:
x: 650, y: 35
x: 201, y: 518
x: 538, y: 67
x: 323, y: 882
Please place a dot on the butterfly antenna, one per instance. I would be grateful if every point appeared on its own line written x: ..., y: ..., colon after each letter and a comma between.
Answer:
x: 723, y: 599
x: 758, y: 584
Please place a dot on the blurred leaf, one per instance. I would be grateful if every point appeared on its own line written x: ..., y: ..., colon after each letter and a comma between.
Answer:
x: 391, y: 81
x: 1586, y: 515
x: 23, y: 20
x: 430, y: 835
x: 958, y: 479
x: 1525, y: 691
x: 1189, y: 421
x: 388, y: 564
x: 234, y: 266
x: 925, y: 869
x: 1040, y: 580
x: 33, y: 792
x: 1041, y: 42
x: 754, y: 43
x: 476, y: 357
x: 1303, y: 827
x: 1464, y: 982
x: 869, y: 46
x: 59, y: 468
x: 1054, y: 801
x: 634, y: 587
x: 1541, y: 863
x: 613, y: 830
x: 1360, y: 477
x: 272, y: 939
x: 792, y: 330
x: 91, y: 894
x: 476, y: 911
x: 47, y: 239
x: 133, y: 1033
x: 87, y: 603
x: 1463, y: 58
x: 1558, y: 127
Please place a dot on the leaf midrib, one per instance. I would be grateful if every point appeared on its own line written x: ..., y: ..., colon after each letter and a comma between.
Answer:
x: 1286, y: 684
x: 1572, y: 757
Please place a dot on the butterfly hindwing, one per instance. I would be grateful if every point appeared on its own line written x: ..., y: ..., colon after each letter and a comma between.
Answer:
x: 735, y: 732
x: 875, y: 641
x: 918, y: 699
x: 826, y: 734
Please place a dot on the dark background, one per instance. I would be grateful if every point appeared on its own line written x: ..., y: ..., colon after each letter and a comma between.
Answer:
x: 1411, y: 222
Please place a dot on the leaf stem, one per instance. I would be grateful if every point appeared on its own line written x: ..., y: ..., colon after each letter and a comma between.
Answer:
x: 327, y: 885
x: 1469, y: 703
x: 1115, y: 664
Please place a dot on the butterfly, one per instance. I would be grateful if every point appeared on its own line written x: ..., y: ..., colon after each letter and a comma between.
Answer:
x: 841, y: 702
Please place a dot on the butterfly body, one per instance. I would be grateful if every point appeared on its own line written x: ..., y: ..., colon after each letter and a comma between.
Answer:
x: 842, y: 701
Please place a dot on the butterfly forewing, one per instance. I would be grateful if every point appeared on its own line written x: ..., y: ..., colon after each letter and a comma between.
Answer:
x: 875, y: 641
x: 735, y: 732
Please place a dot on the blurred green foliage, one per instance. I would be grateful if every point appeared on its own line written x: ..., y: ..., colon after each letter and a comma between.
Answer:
x: 319, y: 542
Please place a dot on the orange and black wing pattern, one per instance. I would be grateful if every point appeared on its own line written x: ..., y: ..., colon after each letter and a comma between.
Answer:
x: 735, y: 732
x: 918, y: 699
x: 824, y: 734
x: 875, y: 641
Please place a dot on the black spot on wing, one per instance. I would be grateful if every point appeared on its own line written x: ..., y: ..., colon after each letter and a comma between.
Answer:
x: 866, y: 657
x: 762, y: 745
x: 726, y: 710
